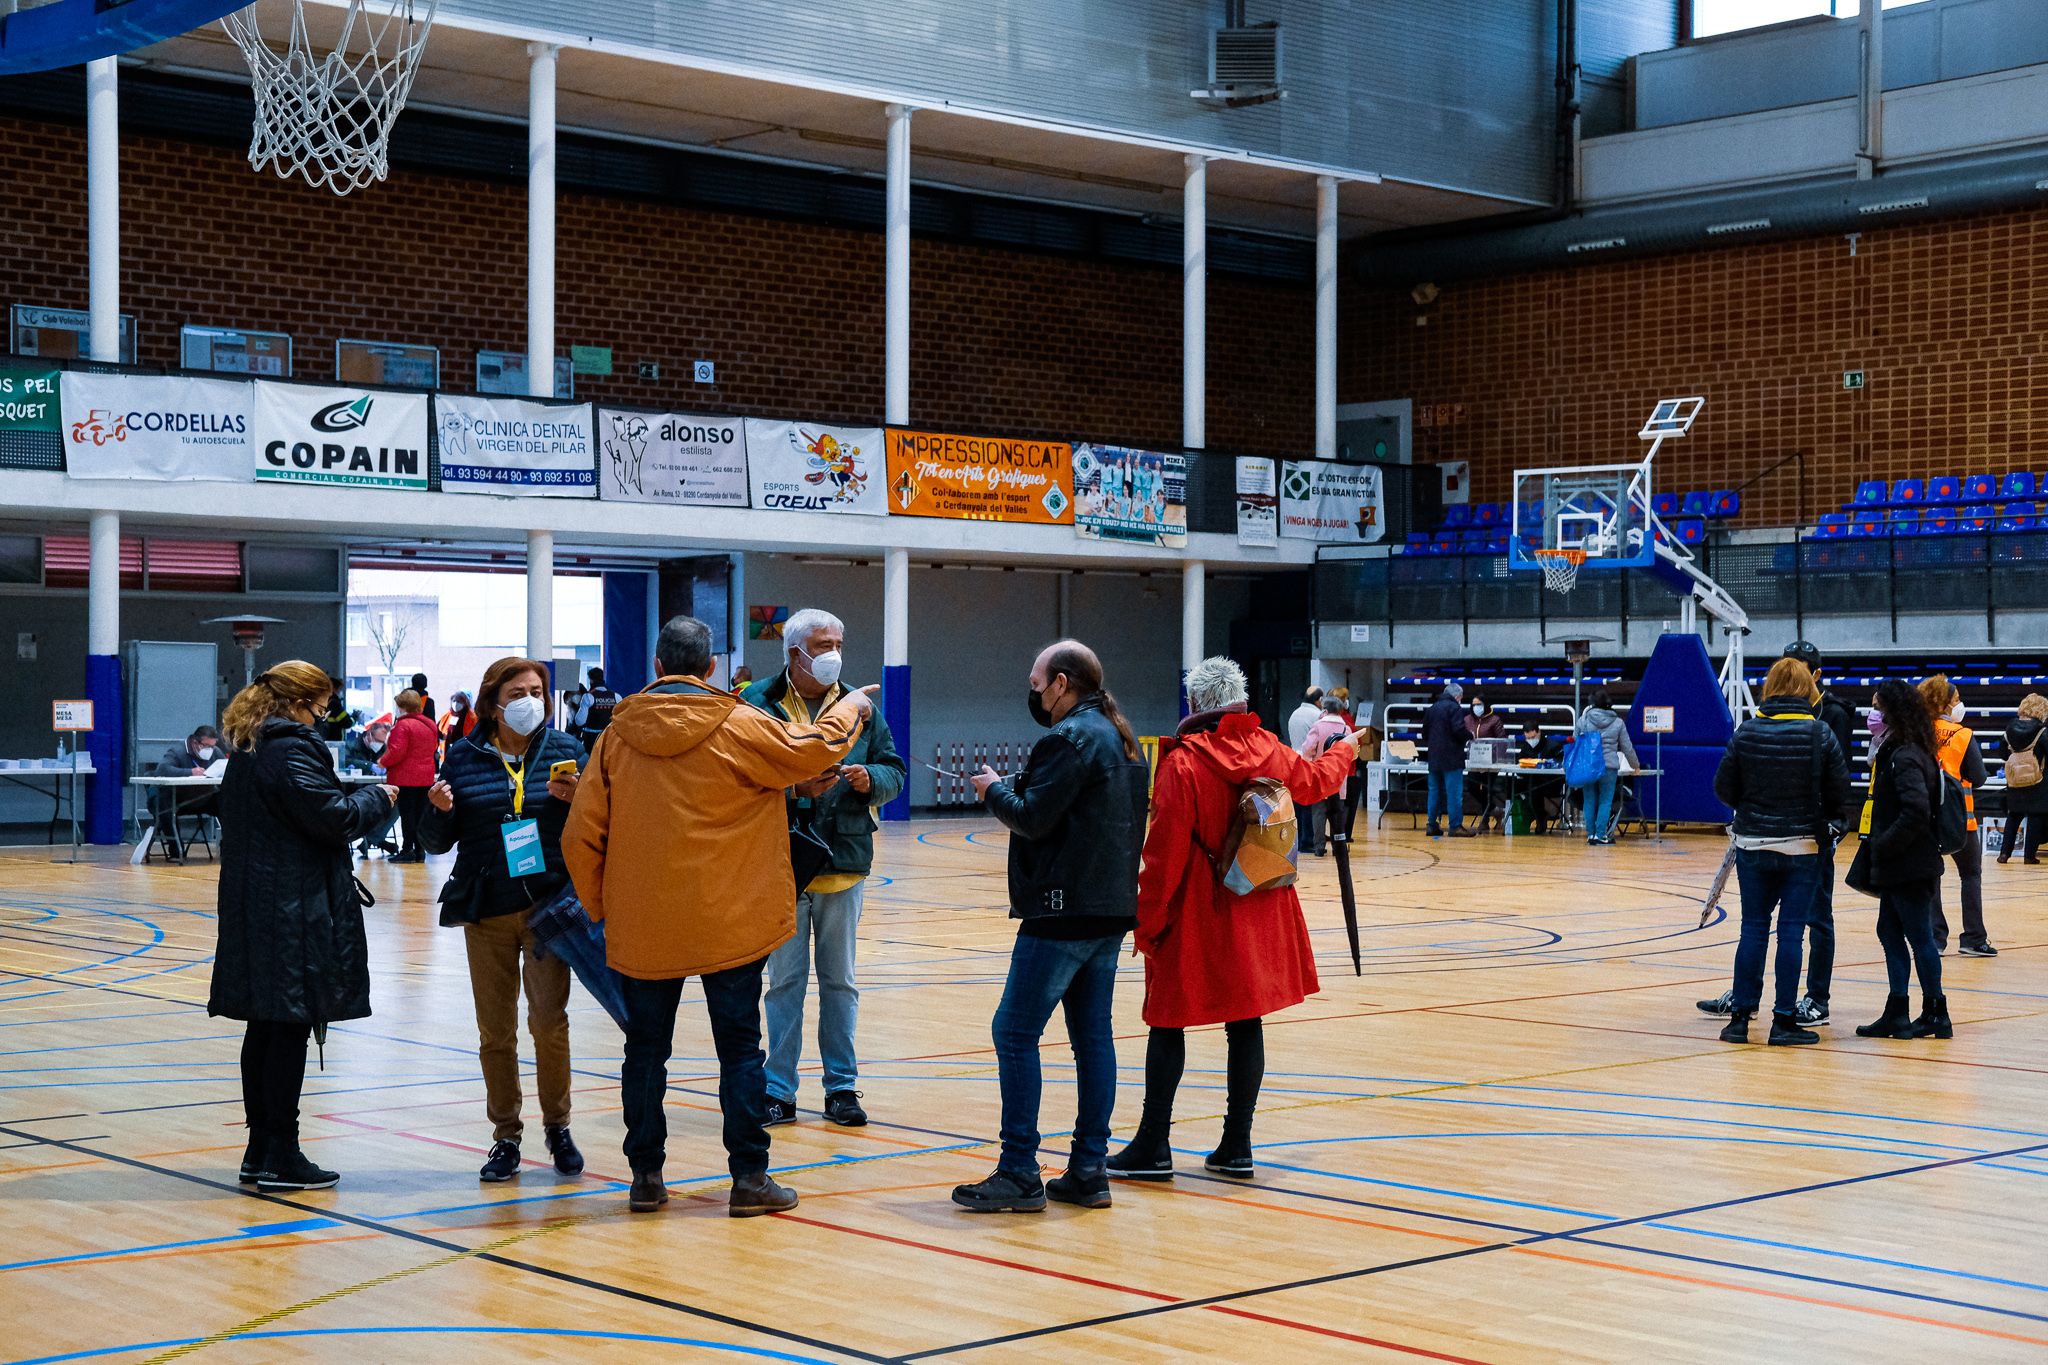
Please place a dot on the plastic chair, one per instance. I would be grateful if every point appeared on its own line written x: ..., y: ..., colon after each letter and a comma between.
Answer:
x: 1488, y: 514
x: 1832, y: 526
x: 1664, y: 504
x: 1457, y: 516
x: 1909, y: 492
x: 1948, y: 489
x: 1869, y: 522
x: 1870, y: 493
x: 1977, y: 518
x: 2018, y: 484
x: 1690, y: 530
x: 1726, y: 503
x: 1696, y: 505
x: 1980, y: 488
x: 1906, y: 522
x: 1937, y: 521
x: 2018, y: 516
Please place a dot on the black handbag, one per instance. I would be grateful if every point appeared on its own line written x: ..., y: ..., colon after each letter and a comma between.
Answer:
x: 809, y: 854
x: 1857, y: 878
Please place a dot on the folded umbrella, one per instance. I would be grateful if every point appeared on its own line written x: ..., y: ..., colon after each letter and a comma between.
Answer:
x: 1340, y: 844
x: 1720, y: 885
x: 566, y: 931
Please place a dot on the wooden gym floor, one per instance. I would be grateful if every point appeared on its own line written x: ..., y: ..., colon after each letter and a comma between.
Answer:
x: 1513, y: 1140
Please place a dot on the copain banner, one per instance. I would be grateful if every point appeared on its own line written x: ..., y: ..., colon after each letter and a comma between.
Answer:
x: 980, y: 478
x: 511, y: 446
x: 1330, y: 502
x: 805, y: 467
x: 670, y: 457
x: 171, y: 427
x: 356, y: 437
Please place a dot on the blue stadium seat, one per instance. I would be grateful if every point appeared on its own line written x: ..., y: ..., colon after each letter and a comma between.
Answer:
x: 1418, y: 544
x: 1946, y: 490
x: 1980, y: 488
x: 1664, y: 504
x: 2019, y: 516
x: 1937, y: 521
x: 2018, y: 484
x: 1868, y: 522
x: 1446, y: 543
x: 1832, y: 526
x: 1976, y: 518
x: 1497, y: 543
x: 1690, y: 530
x: 1471, y: 538
x: 1457, y: 516
x: 1870, y: 493
x: 1905, y: 521
x: 1725, y: 503
x: 1489, y: 514
x: 1909, y: 492
x: 1696, y: 504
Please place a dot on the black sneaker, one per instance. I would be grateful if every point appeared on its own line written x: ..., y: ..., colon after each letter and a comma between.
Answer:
x: 1785, y: 1032
x: 779, y: 1112
x: 1737, y: 1030
x: 843, y: 1108
x: 562, y: 1148
x: 1145, y: 1158
x: 501, y: 1164
x: 1721, y: 1006
x: 1003, y: 1192
x: 1088, y: 1189
x: 1810, y: 1011
x: 1232, y: 1157
x: 290, y: 1170
x: 1978, y: 947
x: 252, y: 1163
x: 648, y: 1193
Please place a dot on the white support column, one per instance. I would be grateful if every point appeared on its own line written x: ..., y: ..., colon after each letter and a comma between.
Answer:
x: 1326, y: 317
x: 540, y: 219
x: 540, y: 596
x: 1194, y: 305
x: 896, y: 272
x: 896, y: 609
x: 103, y: 207
x: 103, y: 586
x: 1194, y: 614
x: 1870, y: 89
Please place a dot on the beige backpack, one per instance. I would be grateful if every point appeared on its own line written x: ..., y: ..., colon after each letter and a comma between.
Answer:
x: 2023, y: 766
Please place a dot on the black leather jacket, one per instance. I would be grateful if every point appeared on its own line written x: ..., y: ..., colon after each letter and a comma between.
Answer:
x: 1076, y: 817
x: 1784, y: 773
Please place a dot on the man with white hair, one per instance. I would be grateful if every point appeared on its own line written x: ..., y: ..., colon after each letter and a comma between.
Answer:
x: 1445, y: 735
x: 839, y: 806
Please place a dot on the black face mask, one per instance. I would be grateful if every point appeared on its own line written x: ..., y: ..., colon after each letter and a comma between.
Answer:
x: 1036, y: 701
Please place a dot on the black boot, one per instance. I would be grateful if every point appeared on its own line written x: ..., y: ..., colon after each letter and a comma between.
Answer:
x: 1895, y: 1022
x: 1933, y: 1021
x: 1785, y: 1031
x: 648, y: 1192
x: 253, y: 1169
x: 562, y: 1147
x: 1086, y: 1186
x: 286, y: 1168
x: 1146, y: 1157
x: 1737, y: 1030
x: 1003, y: 1192
x: 1233, y: 1155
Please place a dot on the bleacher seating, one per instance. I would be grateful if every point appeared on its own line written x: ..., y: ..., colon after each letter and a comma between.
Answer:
x: 1946, y: 490
x: 1905, y: 493
x: 2019, y: 484
x: 1980, y: 488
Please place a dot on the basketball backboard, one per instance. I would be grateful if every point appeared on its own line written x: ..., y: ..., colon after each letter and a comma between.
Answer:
x: 1600, y: 510
x: 57, y: 33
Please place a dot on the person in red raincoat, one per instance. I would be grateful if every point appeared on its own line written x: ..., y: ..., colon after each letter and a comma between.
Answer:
x: 1213, y: 957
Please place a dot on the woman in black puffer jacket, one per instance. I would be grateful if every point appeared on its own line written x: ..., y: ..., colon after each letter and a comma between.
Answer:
x: 1901, y: 860
x: 2029, y: 803
x: 292, y: 957
x: 496, y: 780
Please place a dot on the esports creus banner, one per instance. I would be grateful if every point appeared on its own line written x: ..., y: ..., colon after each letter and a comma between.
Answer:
x: 1329, y: 502
x: 1139, y: 496
x: 980, y: 478
x: 28, y: 398
x: 670, y: 457
x: 156, y: 427
x: 359, y: 437
x: 515, y: 447
x: 805, y: 467
x: 1258, y: 503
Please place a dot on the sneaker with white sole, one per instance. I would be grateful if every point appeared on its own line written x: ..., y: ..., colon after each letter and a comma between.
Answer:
x: 1809, y: 1012
x: 1721, y: 1006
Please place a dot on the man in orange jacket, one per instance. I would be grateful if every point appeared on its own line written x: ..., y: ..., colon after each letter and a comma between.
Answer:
x: 678, y: 842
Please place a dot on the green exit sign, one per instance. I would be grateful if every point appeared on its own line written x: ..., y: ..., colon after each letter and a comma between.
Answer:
x: 1852, y: 379
x: 591, y: 359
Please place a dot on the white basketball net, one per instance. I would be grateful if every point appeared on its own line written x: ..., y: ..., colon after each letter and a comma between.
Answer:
x: 1561, y: 568
x: 328, y: 118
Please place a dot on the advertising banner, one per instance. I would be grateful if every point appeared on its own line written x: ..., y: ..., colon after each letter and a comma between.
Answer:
x: 28, y: 399
x: 980, y: 478
x: 1333, y: 503
x: 169, y: 427
x: 364, y: 439
x: 805, y: 467
x: 671, y: 457
x: 1258, y: 503
x: 515, y: 447
x: 1130, y: 495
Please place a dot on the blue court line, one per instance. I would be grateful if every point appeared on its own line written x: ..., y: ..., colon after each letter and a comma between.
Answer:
x: 583, y: 1334
x: 1654, y: 1137
x: 87, y: 1047
x: 253, y: 1231
x: 1784, y: 1108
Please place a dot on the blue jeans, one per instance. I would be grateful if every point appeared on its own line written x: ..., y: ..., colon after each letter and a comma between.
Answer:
x: 1820, y: 929
x: 733, y: 1000
x: 1079, y: 974
x: 830, y: 918
x: 1447, y: 795
x: 1599, y: 800
x: 1784, y: 883
x: 1905, y: 926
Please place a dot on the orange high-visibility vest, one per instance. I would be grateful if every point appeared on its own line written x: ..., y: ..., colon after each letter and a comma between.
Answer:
x: 1951, y: 743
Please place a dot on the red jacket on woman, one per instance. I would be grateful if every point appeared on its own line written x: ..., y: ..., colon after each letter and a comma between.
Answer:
x: 408, y: 758
x: 1212, y: 957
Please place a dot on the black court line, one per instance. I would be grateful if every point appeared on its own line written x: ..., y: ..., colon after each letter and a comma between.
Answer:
x: 423, y: 1239
x: 1566, y: 1235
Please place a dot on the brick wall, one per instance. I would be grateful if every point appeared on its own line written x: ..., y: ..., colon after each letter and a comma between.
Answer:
x: 1947, y: 319
x: 1023, y: 342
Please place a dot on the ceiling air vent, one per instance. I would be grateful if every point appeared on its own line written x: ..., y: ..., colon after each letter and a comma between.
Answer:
x: 1244, y: 64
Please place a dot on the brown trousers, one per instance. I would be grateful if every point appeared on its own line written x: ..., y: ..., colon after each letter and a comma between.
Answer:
x: 502, y: 951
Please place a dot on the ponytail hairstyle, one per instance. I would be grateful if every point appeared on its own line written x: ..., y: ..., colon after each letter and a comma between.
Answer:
x: 1906, y: 718
x: 274, y: 693
x: 1083, y: 672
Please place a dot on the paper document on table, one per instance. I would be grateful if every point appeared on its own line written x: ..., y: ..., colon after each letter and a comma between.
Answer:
x: 217, y: 768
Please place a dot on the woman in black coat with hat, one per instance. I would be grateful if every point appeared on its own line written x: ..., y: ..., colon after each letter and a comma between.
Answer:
x: 292, y: 956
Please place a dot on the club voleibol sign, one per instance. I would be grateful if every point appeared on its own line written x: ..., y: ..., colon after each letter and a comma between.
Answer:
x: 508, y: 445
x: 340, y: 436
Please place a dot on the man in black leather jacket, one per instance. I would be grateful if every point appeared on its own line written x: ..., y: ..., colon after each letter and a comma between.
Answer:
x: 1076, y: 817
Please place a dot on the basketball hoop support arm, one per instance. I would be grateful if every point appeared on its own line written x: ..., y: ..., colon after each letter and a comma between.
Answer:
x: 1717, y: 603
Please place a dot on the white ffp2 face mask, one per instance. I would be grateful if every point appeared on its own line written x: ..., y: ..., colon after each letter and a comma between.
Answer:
x: 824, y: 667
x: 1956, y: 712
x: 207, y: 754
x: 524, y: 715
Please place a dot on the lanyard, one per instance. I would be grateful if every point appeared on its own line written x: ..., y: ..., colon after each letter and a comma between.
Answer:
x: 518, y: 776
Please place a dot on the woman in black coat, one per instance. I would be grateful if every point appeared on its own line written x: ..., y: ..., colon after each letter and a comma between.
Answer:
x: 2025, y: 803
x: 1901, y: 861
x: 497, y: 799
x: 292, y: 957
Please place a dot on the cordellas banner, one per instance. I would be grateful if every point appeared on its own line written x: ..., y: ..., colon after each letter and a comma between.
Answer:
x: 1258, y: 503
x: 1130, y: 495
x: 805, y: 467
x: 670, y: 457
x: 344, y: 436
x: 980, y: 478
x: 120, y: 426
x: 511, y: 446
x: 1329, y: 502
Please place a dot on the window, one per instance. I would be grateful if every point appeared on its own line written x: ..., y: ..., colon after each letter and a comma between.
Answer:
x: 358, y: 633
x: 1710, y: 17
x: 67, y: 561
x: 193, y: 565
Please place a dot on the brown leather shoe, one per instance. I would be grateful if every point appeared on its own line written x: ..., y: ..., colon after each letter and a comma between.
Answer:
x: 755, y: 1195
x: 1462, y: 832
x: 648, y: 1192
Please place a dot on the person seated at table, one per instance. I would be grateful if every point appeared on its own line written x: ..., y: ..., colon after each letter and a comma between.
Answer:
x: 1483, y: 722
x: 1543, y: 794
x: 172, y: 805
x: 362, y: 752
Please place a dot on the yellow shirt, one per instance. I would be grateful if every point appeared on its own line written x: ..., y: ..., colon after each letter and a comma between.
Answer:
x: 794, y: 707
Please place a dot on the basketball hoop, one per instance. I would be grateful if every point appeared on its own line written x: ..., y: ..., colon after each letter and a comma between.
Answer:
x: 328, y: 118
x: 1560, y: 567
